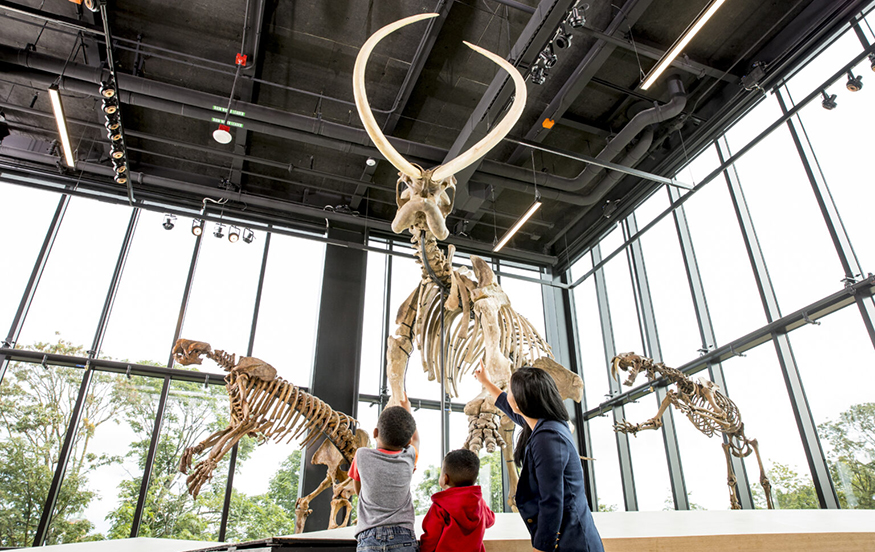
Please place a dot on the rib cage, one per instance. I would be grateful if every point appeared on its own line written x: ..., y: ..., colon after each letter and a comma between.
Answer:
x: 699, y: 412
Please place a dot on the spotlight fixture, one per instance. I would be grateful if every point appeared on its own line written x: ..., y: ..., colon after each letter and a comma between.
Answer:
x: 515, y: 228
x: 577, y: 17
x: 168, y: 221
x: 115, y: 135
x: 233, y: 234
x: 58, y: 108
x: 107, y: 90
x: 110, y: 105
x: 119, y: 165
x: 548, y: 56
x: 121, y: 179
x: 539, y: 75
x: 562, y: 39
x: 854, y: 84
x: 197, y: 227
x: 112, y: 124
x: 872, y: 61
x: 681, y: 43
x: 829, y: 101
x: 94, y: 5
x: 371, y: 162
x: 117, y: 151
x: 218, y: 231
x: 222, y: 134
x: 248, y: 235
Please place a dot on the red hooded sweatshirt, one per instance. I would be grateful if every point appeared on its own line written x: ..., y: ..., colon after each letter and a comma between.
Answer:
x: 456, y: 521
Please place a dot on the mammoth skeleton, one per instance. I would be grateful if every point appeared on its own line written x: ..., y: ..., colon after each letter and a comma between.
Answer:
x: 460, y: 315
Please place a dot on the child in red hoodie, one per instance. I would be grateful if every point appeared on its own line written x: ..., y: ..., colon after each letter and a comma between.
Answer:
x: 458, y: 516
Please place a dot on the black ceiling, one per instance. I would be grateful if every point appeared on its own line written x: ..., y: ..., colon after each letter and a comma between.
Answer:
x: 302, y: 147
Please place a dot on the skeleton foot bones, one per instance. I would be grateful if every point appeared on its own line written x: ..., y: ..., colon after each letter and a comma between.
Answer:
x: 267, y: 407
x: 709, y: 410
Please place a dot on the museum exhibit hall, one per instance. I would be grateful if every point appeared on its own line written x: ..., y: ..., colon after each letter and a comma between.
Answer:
x: 235, y: 233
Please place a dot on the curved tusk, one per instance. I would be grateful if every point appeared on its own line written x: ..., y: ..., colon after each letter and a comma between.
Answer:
x: 361, y: 97
x: 501, y: 130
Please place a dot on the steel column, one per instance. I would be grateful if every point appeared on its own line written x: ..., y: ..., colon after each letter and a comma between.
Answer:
x: 232, y: 464
x: 623, y: 451
x: 337, y: 361
x: 150, y: 459
x: 840, y: 239
x: 826, y: 492
x: 650, y: 335
x: 706, y: 331
x: 35, y: 275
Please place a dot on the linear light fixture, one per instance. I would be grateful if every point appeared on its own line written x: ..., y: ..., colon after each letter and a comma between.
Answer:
x: 55, y: 96
x: 681, y: 43
x: 513, y: 230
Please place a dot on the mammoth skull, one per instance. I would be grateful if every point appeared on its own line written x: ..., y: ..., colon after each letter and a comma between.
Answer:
x: 424, y: 203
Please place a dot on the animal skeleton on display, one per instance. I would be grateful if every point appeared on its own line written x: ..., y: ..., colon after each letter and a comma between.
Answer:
x: 702, y: 402
x: 265, y: 406
x: 465, y: 310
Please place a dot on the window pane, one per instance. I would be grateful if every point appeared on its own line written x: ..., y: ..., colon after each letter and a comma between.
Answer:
x: 223, y: 293
x: 652, y: 207
x: 596, y: 383
x: 844, y: 158
x: 192, y: 413
x: 428, y: 466
x: 289, y: 307
x: 768, y: 417
x: 825, y: 65
x: 373, y: 345
x: 676, y: 323
x: 621, y: 299
x: 36, y: 403
x: 753, y: 123
x: 113, y: 440
x: 733, y: 300
x: 73, y: 288
x: 26, y: 214
x: 700, y: 167
x: 150, y: 291
x: 845, y: 418
x: 609, y: 486
x: 800, y: 256
x: 525, y: 297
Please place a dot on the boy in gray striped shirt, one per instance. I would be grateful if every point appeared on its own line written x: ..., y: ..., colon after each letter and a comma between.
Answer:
x: 382, y: 480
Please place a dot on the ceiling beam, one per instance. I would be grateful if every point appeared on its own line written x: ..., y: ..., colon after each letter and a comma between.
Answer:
x: 537, y: 32
x: 594, y: 59
x: 70, y: 23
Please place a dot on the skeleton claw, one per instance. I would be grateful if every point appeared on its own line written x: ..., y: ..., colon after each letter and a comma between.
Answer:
x: 626, y: 427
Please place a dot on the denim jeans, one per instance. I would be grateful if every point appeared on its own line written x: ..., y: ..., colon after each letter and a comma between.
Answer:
x: 384, y: 539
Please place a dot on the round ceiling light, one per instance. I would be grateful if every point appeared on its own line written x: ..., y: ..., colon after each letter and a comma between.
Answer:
x: 222, y: 134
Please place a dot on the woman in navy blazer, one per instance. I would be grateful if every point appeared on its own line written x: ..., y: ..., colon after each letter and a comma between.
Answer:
x: 550, y: 495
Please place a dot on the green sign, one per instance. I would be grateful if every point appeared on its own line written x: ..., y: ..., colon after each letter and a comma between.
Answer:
x: 229, y: 123
x: 225, y: 110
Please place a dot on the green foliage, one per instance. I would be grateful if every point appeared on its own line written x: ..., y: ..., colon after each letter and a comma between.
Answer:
x: 427, y: 487
x: 852, y: 455
x: 608, y: 508
x: 790, y: 490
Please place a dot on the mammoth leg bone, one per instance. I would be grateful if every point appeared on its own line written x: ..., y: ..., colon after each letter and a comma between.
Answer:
x: 326, y: 455
x: 507, y: 427
x: 343, y: 492
x: 399, y: 347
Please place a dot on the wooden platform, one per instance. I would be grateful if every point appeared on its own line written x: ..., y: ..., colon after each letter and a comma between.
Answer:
x: 695, y: 531
x: 700, y: 531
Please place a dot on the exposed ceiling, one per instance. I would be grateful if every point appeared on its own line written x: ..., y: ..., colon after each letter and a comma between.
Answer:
x: 301, y: 146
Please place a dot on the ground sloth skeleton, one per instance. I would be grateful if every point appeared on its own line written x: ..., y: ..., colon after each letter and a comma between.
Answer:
x: 706, y: 407
x: 265, y: 406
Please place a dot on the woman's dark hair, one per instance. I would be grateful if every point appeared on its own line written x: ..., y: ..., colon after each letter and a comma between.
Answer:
x: 537, y: 397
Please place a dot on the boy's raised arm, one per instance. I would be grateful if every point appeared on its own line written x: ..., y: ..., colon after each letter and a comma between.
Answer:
x: 414, y: 440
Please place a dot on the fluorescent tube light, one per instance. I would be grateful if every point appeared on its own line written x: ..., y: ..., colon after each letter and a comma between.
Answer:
x: 681, y: 43
x: 518, y: 225
x: 55, y: 96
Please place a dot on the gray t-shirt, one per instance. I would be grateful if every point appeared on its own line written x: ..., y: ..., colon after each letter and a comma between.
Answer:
x: 385, y: 497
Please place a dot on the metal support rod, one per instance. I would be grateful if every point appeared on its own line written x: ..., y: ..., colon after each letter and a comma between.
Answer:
x: 232, y: 465
x: 840, y: 239
x: 445, y: 413
x: 624, y: 453
x: 150, y: 459
x: 786, y: 324
x: 647, y: 322
x: 35, y: 275
x: 706, y: 331
x: 42, y: 529
x: 826, y: 492
x: 186, y: 293
x: 387, y: 309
